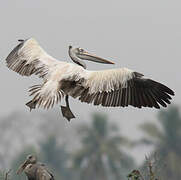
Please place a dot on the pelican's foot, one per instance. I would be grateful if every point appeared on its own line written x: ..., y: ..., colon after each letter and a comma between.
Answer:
x: 31, y: 104
x: 67, y: 113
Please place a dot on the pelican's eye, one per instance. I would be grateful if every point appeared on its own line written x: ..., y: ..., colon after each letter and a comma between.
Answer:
x: 81, y: 50
x: 29, y: 157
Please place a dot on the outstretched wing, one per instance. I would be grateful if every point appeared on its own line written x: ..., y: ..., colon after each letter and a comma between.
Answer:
x: 117, y: 87
x: 29, y: 58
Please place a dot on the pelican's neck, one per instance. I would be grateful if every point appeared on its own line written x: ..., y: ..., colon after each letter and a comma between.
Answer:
x: 75, y: 59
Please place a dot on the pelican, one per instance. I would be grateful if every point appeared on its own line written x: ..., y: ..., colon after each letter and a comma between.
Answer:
x: 110, y: 88
x: 30, y: 159
x: 35, y: 170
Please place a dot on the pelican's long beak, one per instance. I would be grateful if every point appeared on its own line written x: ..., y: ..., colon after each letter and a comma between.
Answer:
x: 22, y: 167
x: 86, y: 56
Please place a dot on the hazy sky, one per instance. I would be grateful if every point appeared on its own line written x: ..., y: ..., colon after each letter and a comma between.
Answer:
x: 142, y: 35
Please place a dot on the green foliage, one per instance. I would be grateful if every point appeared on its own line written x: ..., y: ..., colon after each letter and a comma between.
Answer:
x: 55, y: 157
x: 166, y: 140
x: 100, y: 156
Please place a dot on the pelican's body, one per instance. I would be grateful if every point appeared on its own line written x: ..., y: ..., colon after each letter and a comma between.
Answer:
x: 35, y: 172
x: 113, y: 87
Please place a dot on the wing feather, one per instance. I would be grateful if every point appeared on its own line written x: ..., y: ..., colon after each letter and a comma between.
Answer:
x: 43, y: 174
x: 118, y: 87
x: 29, y: 58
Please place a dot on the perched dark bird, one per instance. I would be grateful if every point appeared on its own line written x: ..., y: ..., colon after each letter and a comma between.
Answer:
x: 110, y: 88
x: 35, y: 170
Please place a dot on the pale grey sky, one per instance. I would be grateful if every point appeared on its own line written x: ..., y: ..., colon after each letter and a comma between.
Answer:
x: 142, y: 35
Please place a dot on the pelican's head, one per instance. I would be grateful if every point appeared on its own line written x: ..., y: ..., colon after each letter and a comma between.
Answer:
x: 84, y: 55
x: 31, y: 159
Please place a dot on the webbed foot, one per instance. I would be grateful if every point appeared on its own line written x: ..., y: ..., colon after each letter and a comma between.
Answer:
x: 67, y: 113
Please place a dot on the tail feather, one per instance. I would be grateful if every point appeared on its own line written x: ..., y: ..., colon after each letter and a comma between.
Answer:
x: 31, y: 104
x: 45, y: 95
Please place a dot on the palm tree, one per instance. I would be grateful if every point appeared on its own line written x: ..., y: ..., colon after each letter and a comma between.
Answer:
x: 56, y: 157
x: 166, y: 139
x: 100, y: 157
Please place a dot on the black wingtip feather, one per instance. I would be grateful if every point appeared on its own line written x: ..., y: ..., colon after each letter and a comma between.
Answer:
x: 162, y: 87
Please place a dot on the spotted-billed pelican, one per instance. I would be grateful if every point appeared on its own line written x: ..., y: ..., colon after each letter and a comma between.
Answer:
x: 30, y: 159
x: 111, y: 88
x: 35, y: 170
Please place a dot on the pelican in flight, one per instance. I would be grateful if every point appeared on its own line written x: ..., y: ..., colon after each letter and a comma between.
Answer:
x: 110, y: 88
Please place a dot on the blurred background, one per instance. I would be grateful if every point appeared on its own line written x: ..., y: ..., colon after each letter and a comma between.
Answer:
x: 100, y: 143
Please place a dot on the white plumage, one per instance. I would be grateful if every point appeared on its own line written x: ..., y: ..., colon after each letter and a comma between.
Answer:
x: 113, y: 87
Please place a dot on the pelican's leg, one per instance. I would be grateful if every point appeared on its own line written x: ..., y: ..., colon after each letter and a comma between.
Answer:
x: 66, y: 112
